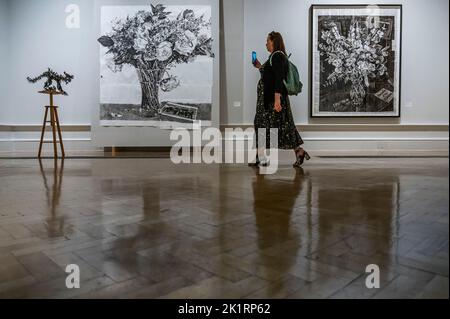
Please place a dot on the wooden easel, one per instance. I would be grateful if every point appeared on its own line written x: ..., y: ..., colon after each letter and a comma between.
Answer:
x: 54, y: 122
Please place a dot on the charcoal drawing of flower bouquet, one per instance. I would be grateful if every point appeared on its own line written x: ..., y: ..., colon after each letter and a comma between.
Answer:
x: 357, y: 58
x: 153, y: 42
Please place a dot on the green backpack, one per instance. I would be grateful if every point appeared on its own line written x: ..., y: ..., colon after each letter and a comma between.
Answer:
x: 292, y: 82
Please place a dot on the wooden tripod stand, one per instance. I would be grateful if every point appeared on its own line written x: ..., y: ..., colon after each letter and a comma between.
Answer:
x: 54, y: 122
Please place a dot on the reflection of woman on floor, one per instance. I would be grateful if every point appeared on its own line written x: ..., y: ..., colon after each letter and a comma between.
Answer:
x: 273, y: 203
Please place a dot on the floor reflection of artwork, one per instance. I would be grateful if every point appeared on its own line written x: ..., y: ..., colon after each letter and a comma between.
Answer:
x: 372, y: 208
x: 356, y: 61
x: 156, y: 65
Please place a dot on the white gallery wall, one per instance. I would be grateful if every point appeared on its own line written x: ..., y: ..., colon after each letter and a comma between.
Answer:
x: 38, y: 38
x: 4, y: 31
x: 425, y: 55
x: 423, y: 126
x: 33, y: 35
x: 232, y: 61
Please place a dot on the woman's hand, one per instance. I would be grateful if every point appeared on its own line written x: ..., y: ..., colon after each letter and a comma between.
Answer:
x: 257, y: 64
x: 277, y: 104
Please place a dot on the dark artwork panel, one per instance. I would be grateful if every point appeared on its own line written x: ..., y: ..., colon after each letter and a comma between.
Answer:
x: 368, y: 84
x: 358, y: 72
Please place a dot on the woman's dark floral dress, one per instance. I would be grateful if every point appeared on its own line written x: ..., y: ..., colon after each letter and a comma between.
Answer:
x: 288, y: 136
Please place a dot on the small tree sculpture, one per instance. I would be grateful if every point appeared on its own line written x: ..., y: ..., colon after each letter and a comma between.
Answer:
x: 153, y: 44
x: 51, y: 76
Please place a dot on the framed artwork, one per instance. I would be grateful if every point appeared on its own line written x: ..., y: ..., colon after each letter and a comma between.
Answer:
x: 156, y: 65
x: 355, y: 60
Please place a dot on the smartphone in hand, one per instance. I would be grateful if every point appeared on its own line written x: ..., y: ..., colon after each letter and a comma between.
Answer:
x: 254, y: 57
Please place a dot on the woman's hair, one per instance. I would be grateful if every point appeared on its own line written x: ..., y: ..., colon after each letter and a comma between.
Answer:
x: 278, y: 42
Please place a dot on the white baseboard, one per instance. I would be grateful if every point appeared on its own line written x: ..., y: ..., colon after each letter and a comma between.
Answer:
x: 320, y: 140
x: 30, y: 146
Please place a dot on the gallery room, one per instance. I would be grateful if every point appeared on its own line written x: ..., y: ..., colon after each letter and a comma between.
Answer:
x: 224, y: 149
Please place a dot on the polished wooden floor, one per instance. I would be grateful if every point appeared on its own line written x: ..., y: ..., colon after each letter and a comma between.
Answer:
x: 145, y: 228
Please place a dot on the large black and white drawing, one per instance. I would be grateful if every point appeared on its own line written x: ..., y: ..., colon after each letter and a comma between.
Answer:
x: 356, y: 53
x: 156, y: 65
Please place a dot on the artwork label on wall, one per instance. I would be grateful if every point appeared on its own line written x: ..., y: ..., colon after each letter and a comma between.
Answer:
x: 156, y: 65
x: 356, y: 61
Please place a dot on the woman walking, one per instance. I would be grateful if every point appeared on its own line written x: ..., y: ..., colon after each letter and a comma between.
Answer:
x: 273, y: 108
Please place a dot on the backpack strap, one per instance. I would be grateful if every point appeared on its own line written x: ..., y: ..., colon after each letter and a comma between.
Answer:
x: 275, y: 53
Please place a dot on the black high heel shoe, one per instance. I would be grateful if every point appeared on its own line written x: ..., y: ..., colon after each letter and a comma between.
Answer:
x: 301, y: 159
x: 259, y: 163
x: 256, y: 163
